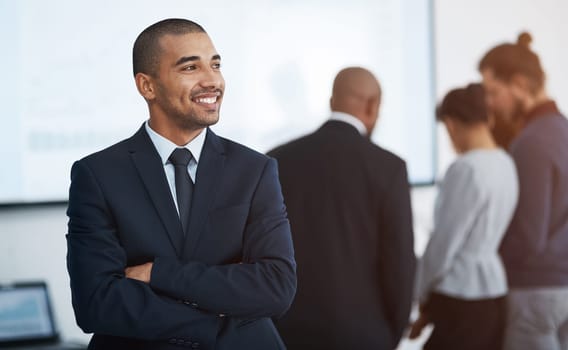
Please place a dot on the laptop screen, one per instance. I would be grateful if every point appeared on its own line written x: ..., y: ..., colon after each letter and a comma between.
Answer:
x: 25, y: 313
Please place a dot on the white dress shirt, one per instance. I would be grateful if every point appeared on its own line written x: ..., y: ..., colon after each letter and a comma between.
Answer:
x: 165, y: 148
x: 475, y: 204
x: 349, y: 119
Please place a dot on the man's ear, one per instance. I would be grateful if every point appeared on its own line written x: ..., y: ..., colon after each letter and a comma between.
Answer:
x: 145, y: 86
x: 520, y: 85
x: 372, y: 108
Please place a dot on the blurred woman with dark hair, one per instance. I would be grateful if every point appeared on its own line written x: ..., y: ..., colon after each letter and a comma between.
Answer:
x: 461, y: 283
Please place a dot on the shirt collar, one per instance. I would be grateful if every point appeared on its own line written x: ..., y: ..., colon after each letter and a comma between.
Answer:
x: 349, y: 119
x: 165, y: 147
x: 541, y: 110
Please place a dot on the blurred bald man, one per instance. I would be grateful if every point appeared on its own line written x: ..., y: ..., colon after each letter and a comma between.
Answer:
x: 349, y: 207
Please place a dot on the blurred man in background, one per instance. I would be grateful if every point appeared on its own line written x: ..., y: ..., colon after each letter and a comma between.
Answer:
x: 535, y: 247
x: 349, y: 207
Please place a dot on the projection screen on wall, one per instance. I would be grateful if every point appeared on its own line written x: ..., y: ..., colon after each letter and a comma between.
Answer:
x: 67, y: 86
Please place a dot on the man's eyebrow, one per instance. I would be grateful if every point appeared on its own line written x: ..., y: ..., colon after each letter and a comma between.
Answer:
x: 185, y: 59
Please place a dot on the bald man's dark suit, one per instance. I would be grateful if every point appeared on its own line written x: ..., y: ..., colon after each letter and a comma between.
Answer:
x: 217, y: 287
x: 349, y: 208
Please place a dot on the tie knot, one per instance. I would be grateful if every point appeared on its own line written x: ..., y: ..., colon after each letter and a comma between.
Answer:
x: 180, y: 156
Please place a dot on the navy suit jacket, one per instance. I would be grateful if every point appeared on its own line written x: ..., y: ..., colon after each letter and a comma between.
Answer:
x: 349, y: 206
x: 217, y: 287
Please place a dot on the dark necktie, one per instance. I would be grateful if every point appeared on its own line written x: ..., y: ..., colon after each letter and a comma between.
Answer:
x: 180, y: 158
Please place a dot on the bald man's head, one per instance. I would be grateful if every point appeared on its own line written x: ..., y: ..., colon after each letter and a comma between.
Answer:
x: 356, y: 91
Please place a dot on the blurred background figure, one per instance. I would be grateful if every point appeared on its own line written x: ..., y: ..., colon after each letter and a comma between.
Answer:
x: 535, y: 247
x: 461, y: 282
x: 349, y: 207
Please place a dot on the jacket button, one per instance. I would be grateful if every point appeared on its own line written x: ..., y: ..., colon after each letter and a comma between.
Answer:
x: 172, y: 341
x: 180, y: 341
x: 194, y: 305
x: 195, y: 346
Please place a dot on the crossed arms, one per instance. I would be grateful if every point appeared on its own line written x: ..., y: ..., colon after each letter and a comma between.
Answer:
x: 167, y: 297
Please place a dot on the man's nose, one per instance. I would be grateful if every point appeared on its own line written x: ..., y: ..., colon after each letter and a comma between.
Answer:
x: 212, y: 79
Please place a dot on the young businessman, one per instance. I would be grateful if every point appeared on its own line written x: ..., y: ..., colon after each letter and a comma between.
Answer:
x: 178, y: 237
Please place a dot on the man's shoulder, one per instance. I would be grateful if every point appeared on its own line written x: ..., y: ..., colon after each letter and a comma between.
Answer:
x: 234, y: 149
x: 541, y: 137
x: 118, y: 153
x: 357, y: 147
x: 293, y: 146
x: 384, y: 154
x: 117, y: 150
x: 543, y: 128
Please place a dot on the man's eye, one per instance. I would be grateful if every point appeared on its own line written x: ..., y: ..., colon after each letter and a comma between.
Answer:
x: 216, y: 65
x: 190, y: 67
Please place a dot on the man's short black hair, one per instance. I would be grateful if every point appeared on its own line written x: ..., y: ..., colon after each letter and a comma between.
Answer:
x: 146, y: 51
x: 465, y: 104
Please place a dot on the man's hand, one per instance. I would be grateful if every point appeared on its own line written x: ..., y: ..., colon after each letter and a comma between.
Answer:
x: 140, y: 272
x: 418, y: 326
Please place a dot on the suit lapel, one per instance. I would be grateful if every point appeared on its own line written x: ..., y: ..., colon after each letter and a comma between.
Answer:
x: 209, y: 172
x: 151, y: 171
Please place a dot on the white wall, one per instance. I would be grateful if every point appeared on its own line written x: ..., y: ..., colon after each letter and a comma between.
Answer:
x: 32, y: 239
x: 466, y: 30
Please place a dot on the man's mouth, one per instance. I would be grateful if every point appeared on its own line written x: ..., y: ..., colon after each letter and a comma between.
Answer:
x: 209, y: 101
x: 206, y: 100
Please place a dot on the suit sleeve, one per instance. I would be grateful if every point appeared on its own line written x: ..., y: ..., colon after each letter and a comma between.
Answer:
x: 263, y: 285
x: 106, y: 302
x: 396, y: 253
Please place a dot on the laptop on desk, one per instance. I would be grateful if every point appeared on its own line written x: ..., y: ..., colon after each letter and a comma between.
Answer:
x: 26, y: 319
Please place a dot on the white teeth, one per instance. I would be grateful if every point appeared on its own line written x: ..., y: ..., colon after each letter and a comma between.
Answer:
x: 208, y: 100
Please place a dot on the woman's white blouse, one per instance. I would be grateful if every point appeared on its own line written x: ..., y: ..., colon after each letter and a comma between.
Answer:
x: 475, y: 203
